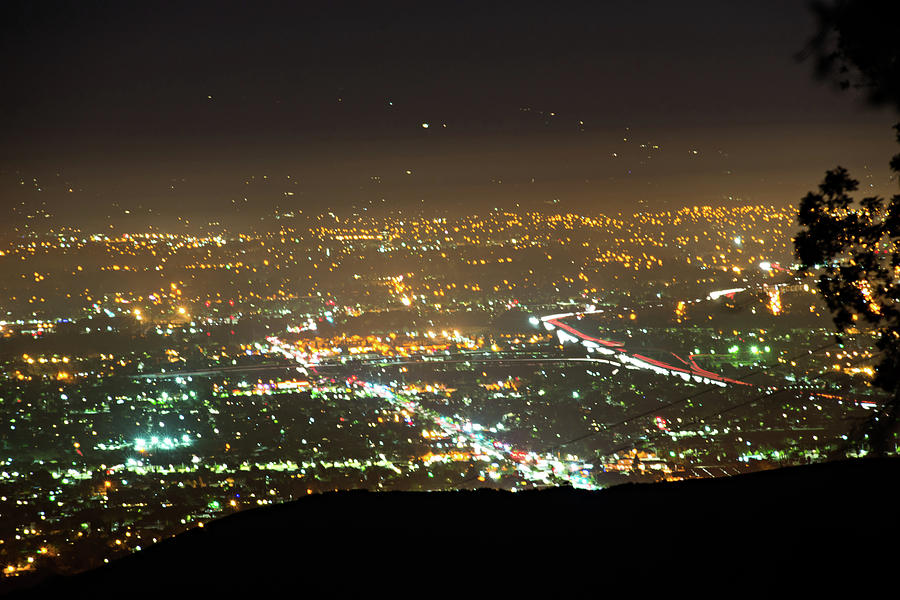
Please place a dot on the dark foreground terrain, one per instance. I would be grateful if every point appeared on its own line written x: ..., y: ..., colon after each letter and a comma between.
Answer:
x: 355, y: 540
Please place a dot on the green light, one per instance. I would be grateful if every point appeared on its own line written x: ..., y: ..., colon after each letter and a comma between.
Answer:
x: 733, y: 350
x: 214, y: 505
x: 767, y: 349
x: 754, y: 349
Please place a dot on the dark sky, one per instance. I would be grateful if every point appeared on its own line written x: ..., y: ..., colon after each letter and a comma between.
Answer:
x: 176, y: 106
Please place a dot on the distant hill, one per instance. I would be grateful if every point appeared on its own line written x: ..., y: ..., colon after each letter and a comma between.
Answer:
x: 337, y: 541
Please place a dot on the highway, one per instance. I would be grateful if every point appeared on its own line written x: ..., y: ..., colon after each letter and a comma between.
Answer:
x: 688, y: 370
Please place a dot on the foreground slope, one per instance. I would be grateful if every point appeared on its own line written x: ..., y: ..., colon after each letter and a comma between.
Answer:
x: 327, y: 537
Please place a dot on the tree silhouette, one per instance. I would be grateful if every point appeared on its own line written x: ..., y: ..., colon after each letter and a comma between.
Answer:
x: 856, y: 46
x: 854, y: 246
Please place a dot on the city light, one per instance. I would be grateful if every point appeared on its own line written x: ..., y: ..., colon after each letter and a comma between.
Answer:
x: 252, y: 260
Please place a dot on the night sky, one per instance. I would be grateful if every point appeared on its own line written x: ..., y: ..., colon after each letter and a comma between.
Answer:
x: 226, y: 110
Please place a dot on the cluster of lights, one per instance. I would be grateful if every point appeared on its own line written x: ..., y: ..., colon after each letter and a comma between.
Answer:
x: 157, y: 443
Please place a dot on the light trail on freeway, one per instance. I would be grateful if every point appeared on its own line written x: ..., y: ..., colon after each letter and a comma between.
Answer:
x: 688, y: 370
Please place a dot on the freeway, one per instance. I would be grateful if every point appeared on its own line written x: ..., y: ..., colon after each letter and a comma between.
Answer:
x: 688, y: 370
x: 280, y: 366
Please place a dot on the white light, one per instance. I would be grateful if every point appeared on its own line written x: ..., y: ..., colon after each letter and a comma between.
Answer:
x: 720, y: 293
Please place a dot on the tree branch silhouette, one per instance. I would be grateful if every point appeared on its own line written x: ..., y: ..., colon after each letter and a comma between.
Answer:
x: 854, y: 246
